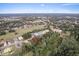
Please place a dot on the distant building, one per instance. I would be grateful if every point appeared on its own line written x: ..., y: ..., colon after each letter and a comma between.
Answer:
x: 57, y: 30
x: 20, y: 38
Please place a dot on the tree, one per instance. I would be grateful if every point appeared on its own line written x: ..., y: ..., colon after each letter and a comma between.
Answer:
x: 68, y: 47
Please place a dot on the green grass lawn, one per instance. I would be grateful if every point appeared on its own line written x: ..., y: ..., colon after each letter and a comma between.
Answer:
x: 20, y: 32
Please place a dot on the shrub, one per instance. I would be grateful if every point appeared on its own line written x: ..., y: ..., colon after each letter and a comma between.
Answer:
x: 2, y: 33
x: 26, y: 35
x: 11, y: 30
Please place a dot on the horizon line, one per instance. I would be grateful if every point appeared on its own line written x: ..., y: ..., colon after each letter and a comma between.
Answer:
x: 39, y: 13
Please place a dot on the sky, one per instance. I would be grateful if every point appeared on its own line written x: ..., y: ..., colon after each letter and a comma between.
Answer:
x: 39, y: 8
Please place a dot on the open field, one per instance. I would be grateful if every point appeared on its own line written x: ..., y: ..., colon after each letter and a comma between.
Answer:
x: 20, y: 32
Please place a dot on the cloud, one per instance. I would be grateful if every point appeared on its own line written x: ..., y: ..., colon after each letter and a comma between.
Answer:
x: 68, y: 4
x: 59, y: 10
x: 42, y: 5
